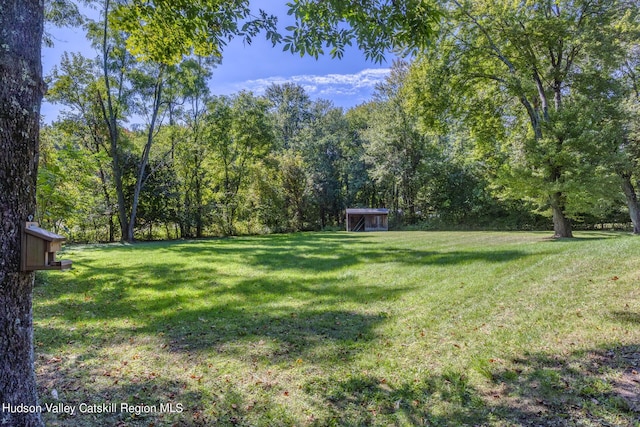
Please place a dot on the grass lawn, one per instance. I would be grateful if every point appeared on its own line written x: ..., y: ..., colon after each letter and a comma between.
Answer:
x: 397, y: 328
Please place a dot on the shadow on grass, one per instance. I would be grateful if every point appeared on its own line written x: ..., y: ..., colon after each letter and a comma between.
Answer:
x: 592, y: 236
x: 196, y: 304
x: 292, y: 318
x: 598, y: 387
x: 111, y: 400
x: 366, y: 400
x: 259, y: 319
x: 322, y: 253
x: 626, y: 317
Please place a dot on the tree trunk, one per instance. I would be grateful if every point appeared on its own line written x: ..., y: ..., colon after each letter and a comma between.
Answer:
x: 111, y: 119
x: 561, y: 224
x: 21, y: 94
x: 142, y: 167
x: 632, y: 202
x: 199, y: 200
x: 107, y: 200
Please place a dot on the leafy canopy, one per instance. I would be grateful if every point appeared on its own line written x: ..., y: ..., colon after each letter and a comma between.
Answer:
x: 165, y: 31
x: 406, y: 26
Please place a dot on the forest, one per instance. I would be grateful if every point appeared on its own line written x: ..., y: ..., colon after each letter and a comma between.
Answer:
x: 515, y: 115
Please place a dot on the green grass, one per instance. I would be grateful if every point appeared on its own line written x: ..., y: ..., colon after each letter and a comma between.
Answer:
x: 398, y: 328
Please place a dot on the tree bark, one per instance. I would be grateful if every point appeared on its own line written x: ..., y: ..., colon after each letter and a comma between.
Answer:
x: 632, y: 202
x: 21, y: 92
x: 561, y: 224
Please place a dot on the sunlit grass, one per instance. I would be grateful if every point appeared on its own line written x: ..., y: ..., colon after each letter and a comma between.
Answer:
x: 398, y: 328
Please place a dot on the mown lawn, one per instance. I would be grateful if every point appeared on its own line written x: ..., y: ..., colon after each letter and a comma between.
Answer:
x: 397, y: 328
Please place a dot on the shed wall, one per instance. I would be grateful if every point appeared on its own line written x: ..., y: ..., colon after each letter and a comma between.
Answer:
x: 367, y: 222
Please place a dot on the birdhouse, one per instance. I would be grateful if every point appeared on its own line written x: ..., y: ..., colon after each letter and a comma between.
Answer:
x: 39, y: 248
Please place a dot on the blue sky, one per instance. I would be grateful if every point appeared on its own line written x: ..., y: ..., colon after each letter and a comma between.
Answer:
x: 347, y: 82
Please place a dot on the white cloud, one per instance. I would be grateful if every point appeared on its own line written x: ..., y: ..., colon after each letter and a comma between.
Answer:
x: 327, y: 86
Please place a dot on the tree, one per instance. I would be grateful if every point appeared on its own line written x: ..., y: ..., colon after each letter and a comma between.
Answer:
x: 629, y: 167
x: 296, y: 189
x: 532, y: 85
x: 166, y: 31
x: 398, y: 149
x: 291, y: 111
x: 291, y: 107
x: 360, y: 188
x: 21, y: 92
x: 163, y: 33
x: 530, y: 53
x: 189, y: 147
x: 148, y: 83
x: 111, y: 96
x: 61, y: 13
x: 239, y: 131
x: 21, y: 27
x: 545, y: 56
x: 74, y: 192
x: 321, y: 144
x: 158, y: 199
x: 76, y: 84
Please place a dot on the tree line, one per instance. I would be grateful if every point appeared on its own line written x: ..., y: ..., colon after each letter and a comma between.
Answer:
x: 225, y: 165
x: 513, y: 116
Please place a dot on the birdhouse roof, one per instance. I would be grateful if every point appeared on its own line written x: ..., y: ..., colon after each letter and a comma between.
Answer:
x: 49, y: 236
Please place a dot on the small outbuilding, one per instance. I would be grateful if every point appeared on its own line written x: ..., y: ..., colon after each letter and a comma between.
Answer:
x: 359, y: 219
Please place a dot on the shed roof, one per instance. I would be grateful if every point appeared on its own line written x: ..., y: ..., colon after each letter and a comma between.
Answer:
x: 367, y: 211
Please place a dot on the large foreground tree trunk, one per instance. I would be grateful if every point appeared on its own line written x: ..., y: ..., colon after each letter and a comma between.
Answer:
x: 21, y: 93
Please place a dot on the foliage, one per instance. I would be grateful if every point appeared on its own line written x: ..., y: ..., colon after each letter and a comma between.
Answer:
x: 74, y: 185
x: 401, y: 155
x: 60, y: 13
x: 166, y: 31
x: 291, y: 107
x: 533, y: 86
x: 375, y: 26
x: 58, y: 197
x: 239, y: 134
x: 322, y: 142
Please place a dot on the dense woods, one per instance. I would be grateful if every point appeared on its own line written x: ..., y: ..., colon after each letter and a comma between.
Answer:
x: 514, y: 116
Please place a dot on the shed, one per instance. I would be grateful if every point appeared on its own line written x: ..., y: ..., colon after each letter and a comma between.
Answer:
x: 368, y: 219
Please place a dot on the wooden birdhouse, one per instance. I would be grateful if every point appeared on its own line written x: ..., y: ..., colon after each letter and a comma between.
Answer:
x: 39, y: 248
